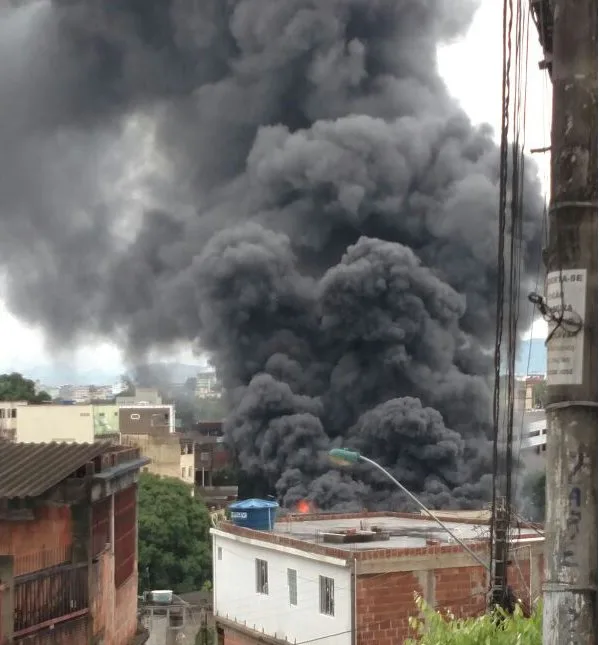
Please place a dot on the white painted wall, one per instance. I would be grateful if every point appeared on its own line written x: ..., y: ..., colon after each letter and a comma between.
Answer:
x: 235, y: 595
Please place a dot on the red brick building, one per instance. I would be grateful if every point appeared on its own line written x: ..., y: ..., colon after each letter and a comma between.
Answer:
x: 351, y: 579
x: 68, y: 544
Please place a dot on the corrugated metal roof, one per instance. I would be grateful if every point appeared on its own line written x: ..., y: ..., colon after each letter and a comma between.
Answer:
x: 30, y: 469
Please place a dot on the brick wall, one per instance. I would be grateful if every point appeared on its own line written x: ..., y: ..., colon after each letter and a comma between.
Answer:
x: 384, y: 604
x: 385, y: 601
x: 240, y: 636
x: 125, y: 611
x: 103, y: 598
x: 42, y: 542
x: 114, y: 609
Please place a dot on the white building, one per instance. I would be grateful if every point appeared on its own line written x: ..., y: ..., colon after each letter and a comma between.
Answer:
x: 207, y: 385
x: 346, y: 579
x: 286, y: 593
x: 534, y: 428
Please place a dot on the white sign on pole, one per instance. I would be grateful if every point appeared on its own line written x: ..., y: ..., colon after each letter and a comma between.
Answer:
x: 565, y: 295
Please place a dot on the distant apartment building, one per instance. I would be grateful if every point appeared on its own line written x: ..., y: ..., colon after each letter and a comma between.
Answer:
x: 534, y: 432
x: 524, y: 393
x: 9, y: 413
x: 100, y: 392
x: 66, y: 392
x: 142, y: 396
x: 45, y: 423
x: 211, y: 457
x: 68, y: 544
x: 215, y: 480
x: 146, y: 419
x: 106, y: 419
x: 169, y: 454
x: 207, y: 385
x: 81, y: 394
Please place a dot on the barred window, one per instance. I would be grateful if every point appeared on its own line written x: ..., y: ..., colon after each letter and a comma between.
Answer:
x: 327, y: 596
x: 292, y: 585
x: 261, y: 576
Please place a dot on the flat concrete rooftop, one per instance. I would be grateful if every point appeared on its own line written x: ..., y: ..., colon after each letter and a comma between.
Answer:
x: 400, y: 532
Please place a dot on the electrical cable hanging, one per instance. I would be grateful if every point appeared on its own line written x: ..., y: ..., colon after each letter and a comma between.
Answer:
x: 509, y: 260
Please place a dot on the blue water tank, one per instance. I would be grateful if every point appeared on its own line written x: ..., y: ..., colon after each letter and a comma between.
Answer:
x: 257, y: 514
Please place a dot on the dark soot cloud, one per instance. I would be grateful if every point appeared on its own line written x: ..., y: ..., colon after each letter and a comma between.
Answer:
x: 319, y: 214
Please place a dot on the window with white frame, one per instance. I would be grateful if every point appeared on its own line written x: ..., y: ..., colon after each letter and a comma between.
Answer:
x: 261, y: 576
x: 292, y: 586
x: 327, y: 596
x: 219, y: 552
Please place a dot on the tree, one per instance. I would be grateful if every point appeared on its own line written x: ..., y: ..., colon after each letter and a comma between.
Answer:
x: 539, y: 393
x: 433, y: 628
x: 174, y: 538
x: 15, y: 387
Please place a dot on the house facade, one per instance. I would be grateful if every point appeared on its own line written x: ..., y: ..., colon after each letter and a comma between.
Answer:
x: 351, y: 579
x: 48, y: 422
x: 68, y: 544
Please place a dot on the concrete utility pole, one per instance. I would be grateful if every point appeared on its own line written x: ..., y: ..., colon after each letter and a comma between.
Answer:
x: 570, y: 591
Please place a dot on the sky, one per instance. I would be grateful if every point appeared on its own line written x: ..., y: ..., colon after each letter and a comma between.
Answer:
x: 472, y: 70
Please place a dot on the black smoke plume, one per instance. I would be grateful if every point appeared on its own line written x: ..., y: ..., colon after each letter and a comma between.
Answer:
x: 317, y: 213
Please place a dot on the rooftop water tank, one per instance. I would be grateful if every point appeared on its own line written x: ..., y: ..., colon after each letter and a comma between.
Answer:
x: 257, y: 514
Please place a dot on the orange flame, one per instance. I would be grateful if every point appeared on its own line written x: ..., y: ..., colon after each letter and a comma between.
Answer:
x: 303, y: 507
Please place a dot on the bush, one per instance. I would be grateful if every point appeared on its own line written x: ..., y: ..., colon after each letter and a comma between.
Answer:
x: 434, y: 628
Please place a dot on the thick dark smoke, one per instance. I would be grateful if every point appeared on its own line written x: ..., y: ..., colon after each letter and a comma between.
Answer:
x: 318, y: 214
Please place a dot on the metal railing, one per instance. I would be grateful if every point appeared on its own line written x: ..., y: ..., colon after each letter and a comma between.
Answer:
x: 48, y: 595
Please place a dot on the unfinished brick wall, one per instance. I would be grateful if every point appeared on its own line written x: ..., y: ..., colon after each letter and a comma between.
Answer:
x: 384, y: 604
x: 461, y: 591
x: 233, y: 637
x: 240, y: 636
x: 385, y: 601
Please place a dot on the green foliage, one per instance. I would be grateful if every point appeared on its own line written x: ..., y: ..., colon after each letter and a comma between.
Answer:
x: 225, y: 477
x: 15, y: 387
x: 539, y: 394
x: 174, y: 538
x: 434, y: 628
x: 206, y: 636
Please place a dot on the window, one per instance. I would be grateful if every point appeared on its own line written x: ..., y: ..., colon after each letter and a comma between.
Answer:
x: 2, y: 412
x: 183, y: 471
x: 261, y: 576
x: 135, y: 417
x: 13, y: 413
x: 292, y: 586
x: 219, y: 553
x: 204, y: 456
x: 327, y: 596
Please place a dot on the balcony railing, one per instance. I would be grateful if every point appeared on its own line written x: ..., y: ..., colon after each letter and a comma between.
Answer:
x: 43, y: 597
x: 73, y: 630
x: 42, y: 559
